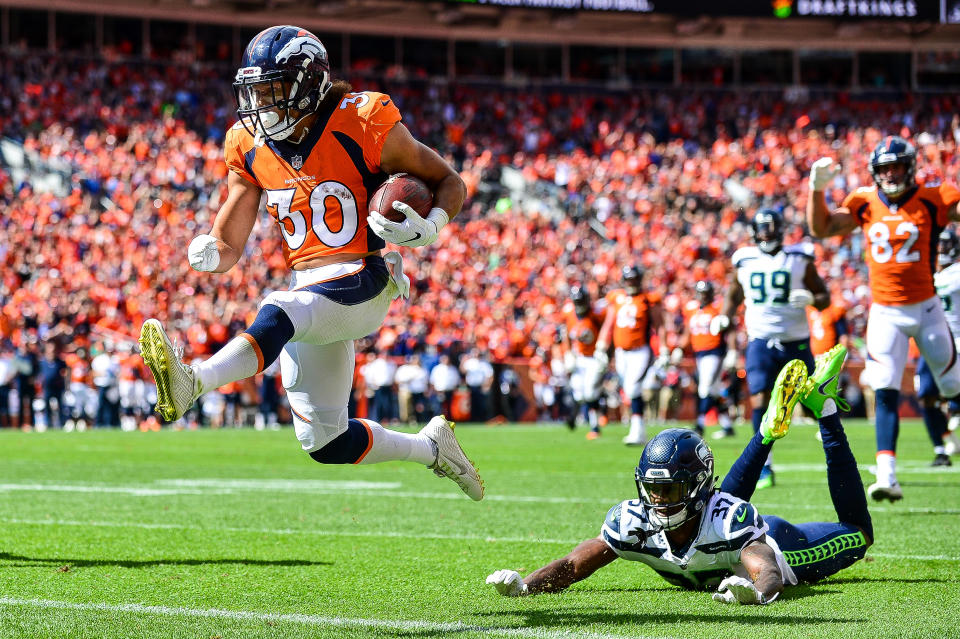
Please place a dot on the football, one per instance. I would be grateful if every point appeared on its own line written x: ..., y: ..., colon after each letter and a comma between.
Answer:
x: 406, y: 188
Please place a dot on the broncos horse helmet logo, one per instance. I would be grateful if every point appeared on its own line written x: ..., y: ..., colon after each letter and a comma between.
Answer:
x: 302, y: 45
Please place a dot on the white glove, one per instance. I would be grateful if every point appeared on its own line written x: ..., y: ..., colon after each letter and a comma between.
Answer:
x: 508, y: 583
x: 729, y: 360
x: 662, y: 361
x: 719, y: 324
x: 676, y: 355
x: 203, y: 253
x: 602, y: 358
x: 413, y: 231
x: 739, y: 589
x: 800, y: 298
x: 822, y: 173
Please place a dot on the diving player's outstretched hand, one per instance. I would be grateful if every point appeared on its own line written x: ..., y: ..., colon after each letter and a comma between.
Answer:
x: 739, y: 589
x: 508, y: 583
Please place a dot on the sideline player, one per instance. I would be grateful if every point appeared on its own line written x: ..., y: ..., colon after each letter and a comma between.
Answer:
x: 710, y: 351
x: 947, y: 282
x: 317, y: 151
x: 632, y: 317
x: 901, y: 221
x: 697, y: 537
x: 584, y: 362
x: 777, y: 283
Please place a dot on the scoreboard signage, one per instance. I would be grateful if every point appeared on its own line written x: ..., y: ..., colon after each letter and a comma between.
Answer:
x: 912, y: 10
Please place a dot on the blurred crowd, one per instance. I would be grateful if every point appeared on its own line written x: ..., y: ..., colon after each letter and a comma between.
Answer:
x: 565, y: 187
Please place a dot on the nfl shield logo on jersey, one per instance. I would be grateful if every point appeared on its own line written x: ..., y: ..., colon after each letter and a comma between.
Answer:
x: 297, y: 162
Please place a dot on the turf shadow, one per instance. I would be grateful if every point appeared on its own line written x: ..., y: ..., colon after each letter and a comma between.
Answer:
x: 884, y: 580
x: 575, y: 618
x: 144, y: 563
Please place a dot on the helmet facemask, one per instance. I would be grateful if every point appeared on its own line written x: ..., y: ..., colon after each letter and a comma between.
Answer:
x: 674, y: 478
x: 893, y: 178
x: 705, y: 293
x: 893, y: 166
x: 768, y: 231
x: 671, y: 503
x: 270, y: 106
x: 581, y: 302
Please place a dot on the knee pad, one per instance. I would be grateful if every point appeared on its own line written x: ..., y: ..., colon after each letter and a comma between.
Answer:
x: 347, y: 448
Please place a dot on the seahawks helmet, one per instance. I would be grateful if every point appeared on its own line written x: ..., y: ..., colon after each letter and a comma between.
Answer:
x: 581, y: 301
x: 632, y: 279
x: 894, y: 151
x: 949, y: 247
x: 705, y: 292
x: 674, y: 477
x: 767, y: 226
x: 283, y: 76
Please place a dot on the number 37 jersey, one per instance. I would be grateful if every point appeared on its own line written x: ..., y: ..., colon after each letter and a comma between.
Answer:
x: 767, y: 281
x: 317, y: 191
x: 728, y: 524
x: 901, y: 240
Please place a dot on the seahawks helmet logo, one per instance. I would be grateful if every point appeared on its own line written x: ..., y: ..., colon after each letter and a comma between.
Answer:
x: 302, y: 45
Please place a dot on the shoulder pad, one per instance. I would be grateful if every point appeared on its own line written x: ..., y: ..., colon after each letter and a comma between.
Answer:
x: 613, y: 518
x: 744, y: 516
x: 744, y: 253
x: 805, y: 249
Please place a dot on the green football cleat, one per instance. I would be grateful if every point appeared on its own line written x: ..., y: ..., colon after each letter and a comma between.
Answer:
x: 177, y: 386
x: 824, y: 383
x: 790, y: 385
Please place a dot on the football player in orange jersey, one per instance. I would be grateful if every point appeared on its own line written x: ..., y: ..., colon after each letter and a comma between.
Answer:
x: 827, y: 327
x: 901, y: 222
x: 584, y: 363
x: 317, y: 151
x: 632, y: 317
x: 710, y: 349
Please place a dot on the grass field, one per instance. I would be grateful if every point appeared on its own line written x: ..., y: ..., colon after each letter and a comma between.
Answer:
x: 236, y: 533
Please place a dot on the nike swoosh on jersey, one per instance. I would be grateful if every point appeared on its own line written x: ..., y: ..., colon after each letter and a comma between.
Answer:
x: 742, y: 516
x: 384, y: 102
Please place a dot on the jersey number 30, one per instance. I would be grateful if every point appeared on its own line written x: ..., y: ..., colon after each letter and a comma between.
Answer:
x: 282, y: 199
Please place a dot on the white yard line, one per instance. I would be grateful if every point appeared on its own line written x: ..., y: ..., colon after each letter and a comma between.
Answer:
x: 396, y: 625
x: 213, y: 486
x: 364, y: 533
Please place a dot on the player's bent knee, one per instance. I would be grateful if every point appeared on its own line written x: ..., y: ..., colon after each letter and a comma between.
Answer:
x: 347, y: 448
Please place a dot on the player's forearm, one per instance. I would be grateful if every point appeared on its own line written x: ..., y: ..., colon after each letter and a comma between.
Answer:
x: 229, y: 256
x: 818, y: 214
x: 556, y: 576
x: 449, y: 194
x: 770, y: 583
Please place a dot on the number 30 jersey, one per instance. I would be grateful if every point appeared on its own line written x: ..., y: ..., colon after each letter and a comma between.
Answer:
x: 728, y: 524
x: 318, y: 190
x: 901, y: 239
x: 767, y: 281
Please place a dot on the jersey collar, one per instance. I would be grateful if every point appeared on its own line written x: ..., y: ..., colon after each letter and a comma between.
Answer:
x: 909, y: 193
x: 287, y: 150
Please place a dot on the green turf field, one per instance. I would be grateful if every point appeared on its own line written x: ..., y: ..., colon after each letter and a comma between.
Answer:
x: 236, y: 533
